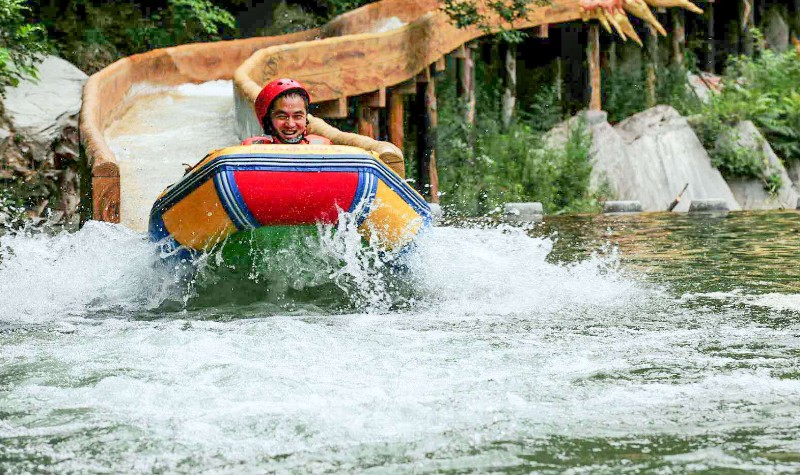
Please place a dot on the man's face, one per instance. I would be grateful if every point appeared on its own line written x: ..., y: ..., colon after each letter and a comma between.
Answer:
x: 288, y: 117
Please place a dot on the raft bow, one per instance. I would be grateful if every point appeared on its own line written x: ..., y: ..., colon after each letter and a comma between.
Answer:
x: 243, y: 188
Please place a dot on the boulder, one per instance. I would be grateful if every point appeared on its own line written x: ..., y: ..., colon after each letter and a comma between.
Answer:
x: 39, y: 138
x: 649, y: 157
x: 750, y: 192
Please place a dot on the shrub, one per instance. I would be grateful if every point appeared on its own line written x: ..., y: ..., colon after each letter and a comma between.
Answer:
x: 481, y: 167
x: 20, y: 43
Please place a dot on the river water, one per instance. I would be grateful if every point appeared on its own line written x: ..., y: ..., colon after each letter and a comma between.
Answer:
x: 588, y: 344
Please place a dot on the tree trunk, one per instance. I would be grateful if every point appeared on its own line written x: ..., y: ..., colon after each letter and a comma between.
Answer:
x: 510, y: 84
x: 709, y: 67
x: 593, y: 52
x: 465, y: 87
x: 652, y: 65
x: 678, y: 37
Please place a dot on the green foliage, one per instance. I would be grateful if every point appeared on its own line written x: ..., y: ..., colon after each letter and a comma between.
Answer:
x: 766, y: 91
x: 337, y: 7
x: 465, y: 13
x: 625, y: 91
x: 92, y: 34
x: 20, y: 43
x: 288, y: 18
x: 481, y: 167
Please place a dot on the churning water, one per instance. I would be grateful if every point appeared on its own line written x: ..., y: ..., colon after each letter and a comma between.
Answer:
x: 666, y: 344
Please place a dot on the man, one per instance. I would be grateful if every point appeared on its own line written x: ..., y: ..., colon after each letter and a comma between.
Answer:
x: 282, y: 111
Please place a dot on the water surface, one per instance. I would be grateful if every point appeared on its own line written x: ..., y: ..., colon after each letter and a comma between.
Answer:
x: 653, y: 343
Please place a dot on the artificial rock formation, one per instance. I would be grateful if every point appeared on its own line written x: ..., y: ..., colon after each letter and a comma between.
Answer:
x: 39, y: 139
x: 649, y: 157
x: 750, y: 192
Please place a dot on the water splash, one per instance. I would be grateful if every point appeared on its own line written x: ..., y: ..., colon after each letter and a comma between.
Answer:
x: 102, y: 268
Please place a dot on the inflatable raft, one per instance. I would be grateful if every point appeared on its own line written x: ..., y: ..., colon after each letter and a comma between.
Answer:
x: 274, y: 189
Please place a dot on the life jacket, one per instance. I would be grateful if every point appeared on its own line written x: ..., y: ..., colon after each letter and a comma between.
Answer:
x: 269, y: 139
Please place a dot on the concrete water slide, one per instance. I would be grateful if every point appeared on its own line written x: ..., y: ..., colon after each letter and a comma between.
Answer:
x: 380, y: 46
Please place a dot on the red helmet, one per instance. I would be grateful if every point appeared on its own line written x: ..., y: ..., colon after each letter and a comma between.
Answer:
x: 272, y: 90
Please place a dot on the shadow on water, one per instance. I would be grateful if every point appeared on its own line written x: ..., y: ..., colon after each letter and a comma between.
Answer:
x: 694, y: 253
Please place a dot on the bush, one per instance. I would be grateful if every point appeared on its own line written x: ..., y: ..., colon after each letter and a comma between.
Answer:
x: 482, y: 167
x: 625, y: 92
x: 765, y: 90
x: 20, y: 43
x: 289, y: 19
x: 92, y: 34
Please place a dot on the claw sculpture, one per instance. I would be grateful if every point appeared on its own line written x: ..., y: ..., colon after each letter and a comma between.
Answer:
x: 612, y: 14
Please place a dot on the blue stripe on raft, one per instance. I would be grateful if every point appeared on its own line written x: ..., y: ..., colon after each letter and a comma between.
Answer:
x: 368, y: 197
x: 359, y: 191
x: 343, y: 163
x: 168, y: 245
x: 232, y: 201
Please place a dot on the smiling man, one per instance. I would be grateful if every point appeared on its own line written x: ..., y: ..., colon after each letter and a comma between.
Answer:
x: 282, y: 110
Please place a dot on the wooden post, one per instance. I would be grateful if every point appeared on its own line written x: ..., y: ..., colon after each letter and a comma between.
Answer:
x: 510, y: 82
x: 710, y: 37
x: 652, y: 65
x: 678, y: 37
x: 427, y: 118
x: 465, y: 87
x: 593, y: 52
x: 367, y: 118
x: 396, y: 133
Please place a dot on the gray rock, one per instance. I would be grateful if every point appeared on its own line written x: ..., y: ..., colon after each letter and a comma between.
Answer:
x: 711, y: 205
x: 39, y: 133
x: 622, y: 207
x: 41, y: 109
x: 650, y: 156
x: 750, y: 192
x: 523, y: 212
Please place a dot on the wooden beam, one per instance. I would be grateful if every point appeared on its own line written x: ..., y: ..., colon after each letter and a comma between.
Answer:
x: 368, y: 120
x: 335, y: 109
x: 594, y: 66
x: 374, y: 99
x: 396, y: 132
x: 542, y: 31
x: 407, y: 87
x: 106, y: 198
x: 423, y: 76
x: 427, y: 118
x: 440, y: 65
x: 460, y: 52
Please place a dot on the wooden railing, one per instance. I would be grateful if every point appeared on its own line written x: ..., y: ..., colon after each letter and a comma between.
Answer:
x: 105, y: 92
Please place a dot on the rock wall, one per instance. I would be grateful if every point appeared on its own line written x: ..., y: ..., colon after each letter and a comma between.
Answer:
x: 39, y: 141
x: 649, y: 157
x: 750, y: 192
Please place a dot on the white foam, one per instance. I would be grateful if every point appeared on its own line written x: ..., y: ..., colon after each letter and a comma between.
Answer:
x: 104, y: 266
